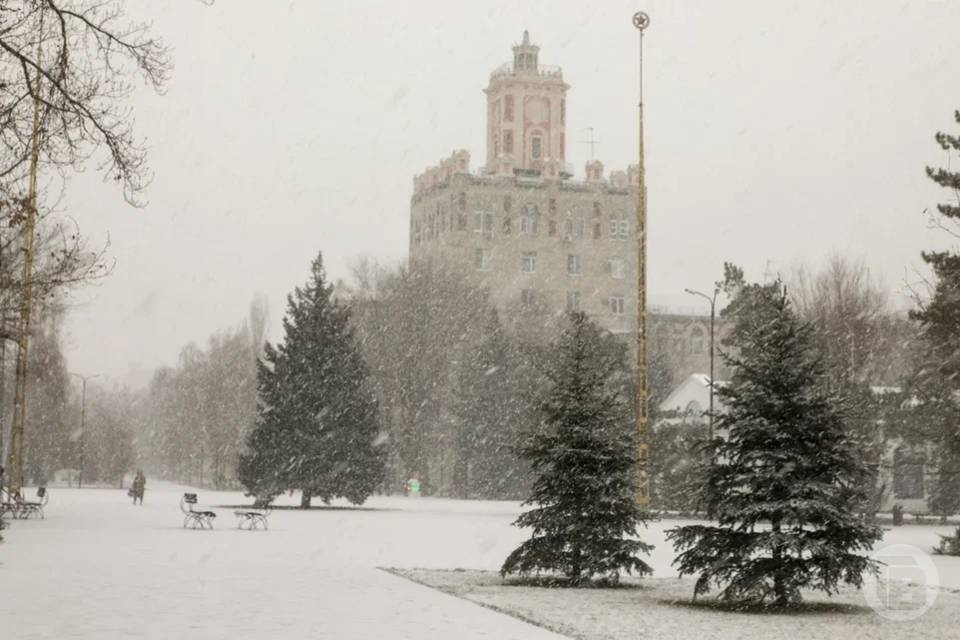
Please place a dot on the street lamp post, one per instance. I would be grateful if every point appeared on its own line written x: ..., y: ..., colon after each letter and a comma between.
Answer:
x: 83, y: 420
x: 713, y: 314
x: 641, y: 21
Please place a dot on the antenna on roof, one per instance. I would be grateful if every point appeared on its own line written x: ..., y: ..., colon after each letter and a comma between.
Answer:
x: 592, y: 142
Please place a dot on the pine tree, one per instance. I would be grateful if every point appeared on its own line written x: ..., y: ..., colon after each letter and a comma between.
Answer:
x: 785, y: 486
x: 585, y: 515
x: 935, y: 383
x: 317, y: 426
x: 488, y: 412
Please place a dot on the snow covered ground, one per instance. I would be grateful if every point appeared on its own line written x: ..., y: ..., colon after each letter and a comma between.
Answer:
x: 660, y: 608
x: 99, y: 567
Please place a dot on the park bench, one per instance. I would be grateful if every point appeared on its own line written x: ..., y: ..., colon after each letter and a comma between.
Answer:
x: 195, y: 519
x: 253, y: 518
x: 16, y: 507
x: 30, y: 509
x: 8, y: 506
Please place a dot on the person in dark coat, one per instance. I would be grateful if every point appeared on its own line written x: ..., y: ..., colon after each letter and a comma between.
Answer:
x: 139, y: 485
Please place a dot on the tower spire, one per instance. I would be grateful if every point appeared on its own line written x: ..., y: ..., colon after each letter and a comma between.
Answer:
x: 525, y: 55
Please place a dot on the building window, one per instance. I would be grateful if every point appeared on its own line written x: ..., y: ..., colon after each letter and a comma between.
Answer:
x: 573, y: 265
x: 536, y: 150
x: 573, y: 301
x: 619, y: 228
x: 528, y: 263
x: 508, y: 108
x: 461, y: 222
x: 507, y: 226
x: 462, y: 201
x: 596, y: 209
x: 508, y: 141
x: 552, y: 206
x: 482, y: 260
x: 617, y: 305
x: 597, y: 231
x: 552, y: 227
x: 908, y: 474
x: 530, y: 220
x: 483, y: 224
x: 507, y: 204
x: 696, y: 340
x: 573, y: 228
x: 527, y: 297
x: 616, y: 268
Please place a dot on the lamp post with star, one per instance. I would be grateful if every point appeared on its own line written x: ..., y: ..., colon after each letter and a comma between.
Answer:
x: 641, y: 21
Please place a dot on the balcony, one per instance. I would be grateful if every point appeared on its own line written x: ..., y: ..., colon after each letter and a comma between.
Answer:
x: 542, y: 70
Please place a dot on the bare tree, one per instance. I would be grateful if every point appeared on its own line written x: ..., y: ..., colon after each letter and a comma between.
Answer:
x: 83, y: 55
x: 847, y: 305
x: 65, y: 71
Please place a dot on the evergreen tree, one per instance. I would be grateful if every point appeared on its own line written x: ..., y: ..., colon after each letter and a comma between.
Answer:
x: 676, y: 463
x: 54, y: 439
x: 488, y: 412
x: 935, y: 383
x: 786, y: 486
x: 583, y: 457
x: 317, y: 427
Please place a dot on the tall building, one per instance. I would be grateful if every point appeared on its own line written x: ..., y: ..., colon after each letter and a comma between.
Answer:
x: 521, y: 226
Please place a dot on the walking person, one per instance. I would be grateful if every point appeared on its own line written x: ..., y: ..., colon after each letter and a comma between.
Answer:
x: 139, y: 485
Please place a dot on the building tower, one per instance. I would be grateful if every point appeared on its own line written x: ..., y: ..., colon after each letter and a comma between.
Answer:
x: 522, y: 228
x: 526, y: 113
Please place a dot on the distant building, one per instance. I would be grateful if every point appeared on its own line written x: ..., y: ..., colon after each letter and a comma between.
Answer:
x: 521, y: 227
x: 681, y: 342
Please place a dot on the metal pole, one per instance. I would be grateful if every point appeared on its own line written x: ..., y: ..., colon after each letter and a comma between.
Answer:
x: 641, y: 21
x: 83, y: 429
x: 83, y: 420
x: 713, y: 313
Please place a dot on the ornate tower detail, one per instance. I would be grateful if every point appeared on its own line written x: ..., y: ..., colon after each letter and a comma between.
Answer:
x: 526, y: 110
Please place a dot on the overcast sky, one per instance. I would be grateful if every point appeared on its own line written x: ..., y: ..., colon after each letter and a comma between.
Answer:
x: 776, y: 133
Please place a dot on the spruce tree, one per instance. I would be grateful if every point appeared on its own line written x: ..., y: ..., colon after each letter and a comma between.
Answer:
x: 488, y: 411
x: 785, y: 486
x: 583, y: 456
x: 935, y: 384
x: 317, y: 424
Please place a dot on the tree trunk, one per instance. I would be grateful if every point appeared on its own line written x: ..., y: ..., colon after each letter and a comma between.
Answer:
x: 461, y: 475
x: 781, y: 598
x: 305, y: 498
x: 575, y: 569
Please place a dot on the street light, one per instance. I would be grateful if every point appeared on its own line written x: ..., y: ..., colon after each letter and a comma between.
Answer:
x: 713, y: 313
x: 83, y: 419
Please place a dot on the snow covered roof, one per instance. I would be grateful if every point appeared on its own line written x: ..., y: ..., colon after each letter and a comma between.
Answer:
x: 692, y: 395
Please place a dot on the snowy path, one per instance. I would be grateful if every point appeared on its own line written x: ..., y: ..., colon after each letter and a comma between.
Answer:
x: 101, y: 568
